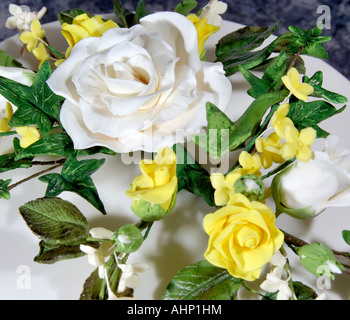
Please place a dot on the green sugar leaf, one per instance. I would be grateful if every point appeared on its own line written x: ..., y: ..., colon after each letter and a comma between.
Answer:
x: 67, y: 16
x: 8, y: 61
x: 185, y: 7
x: 4, y: 190
x: 202, y: 281
x: 55, y: 221
x: 75, y: 177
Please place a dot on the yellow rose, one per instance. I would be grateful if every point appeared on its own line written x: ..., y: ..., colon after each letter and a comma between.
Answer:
x: 242, y: 237
x: 154, y: 191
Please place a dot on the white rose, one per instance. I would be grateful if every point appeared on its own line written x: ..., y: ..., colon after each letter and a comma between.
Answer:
x: 320, y: 183
x: 141, y: 88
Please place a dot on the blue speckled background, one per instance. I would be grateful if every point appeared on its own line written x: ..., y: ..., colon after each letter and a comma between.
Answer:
x: 301, y: 13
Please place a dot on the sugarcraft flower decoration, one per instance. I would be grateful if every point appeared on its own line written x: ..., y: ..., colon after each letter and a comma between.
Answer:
x: 130, y: 275
x: 41, y: 53
x: 4, y: 122
x: 29, y: 135
x: 32, y: 37
x: 298, y: 143
x: 280, y: 120
x: 292, y: 83
x: 270, y: 150
x: 242, y: 237
x: 213, y: 11
x: 22, y: 17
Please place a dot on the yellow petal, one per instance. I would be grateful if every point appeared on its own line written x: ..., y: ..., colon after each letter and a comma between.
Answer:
x: 307, y: 136
x: 217, y: 180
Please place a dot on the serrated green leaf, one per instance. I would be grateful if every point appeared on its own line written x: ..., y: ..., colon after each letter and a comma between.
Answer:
x: 8, y: 61
x: 56, y: 144
x: 67, y: 16
x: 310, y: 114
x: 50, y: 253
x: 185, y: 7
x: 75, y: 177
x: 4, y: 190
x: 192, y: 176
x: 202, y: 281
x: 55, y: 221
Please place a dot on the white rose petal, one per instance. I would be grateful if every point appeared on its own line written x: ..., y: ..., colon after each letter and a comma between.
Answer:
x: 140, y: 88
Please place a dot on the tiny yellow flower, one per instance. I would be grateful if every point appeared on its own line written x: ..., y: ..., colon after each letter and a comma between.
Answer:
x: 204, y: 30
x: 83, y: 27
x: 31, y: 38
x: 224, y: 185
x: 279, y: 119
x: 251, y: 164
x: 4, y: 122
x: 270, y: 150
x: 298, y: 143
x: 41, y: 53
x: 158, y: 182
x: 29, y: 135
x: 299, y: 90
x: 243, y: 237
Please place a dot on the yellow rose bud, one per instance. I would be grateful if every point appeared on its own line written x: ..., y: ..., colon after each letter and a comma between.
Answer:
x: 242, y: 237
x: 154, y: 192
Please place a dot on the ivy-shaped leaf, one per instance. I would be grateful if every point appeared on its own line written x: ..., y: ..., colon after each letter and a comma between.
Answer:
x: 9, y: 161
x: 4, y: 190
x: 316, y: 81
x: 310, y: 41
x: 56, y: 144
x: 310, y: 114
x: 202, y: 281
x: 55, y: 221
x: 75, y: 177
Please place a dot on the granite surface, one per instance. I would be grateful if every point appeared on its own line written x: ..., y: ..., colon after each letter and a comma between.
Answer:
x: 302, y: 13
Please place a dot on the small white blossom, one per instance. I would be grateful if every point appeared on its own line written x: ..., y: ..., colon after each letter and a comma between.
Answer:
x: 129, y: 277
x: 275, y: 283
x: 212, y: 12
x: 96, y: 257
x: 22, y: 17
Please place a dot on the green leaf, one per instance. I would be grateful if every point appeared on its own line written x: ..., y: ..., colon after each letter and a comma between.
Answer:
x: 271, y: 80
x: 124, y: 18
x: 318, y: 259
x: 56, y: 144
x: 185, y: 7
x: 41, y: 96
x: 202, y: 281
x: 9, y: 162
x: 237, y: 47
x: 346, y: 236
x: 55, y: 221
x: 310, y: 114
x: 221, y: 129
x: 310, y: 41
x: 4, y: 191
x: 50, y: 253
x: 141, y: 11
x: 8, y: 61
x: 316, y: 81
x: 192, y: 176
x: 68, y: 16
x: 75, y: 177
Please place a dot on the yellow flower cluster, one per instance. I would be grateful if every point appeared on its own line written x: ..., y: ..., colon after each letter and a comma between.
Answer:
x: 83, y: 27
x: 224, y: 185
